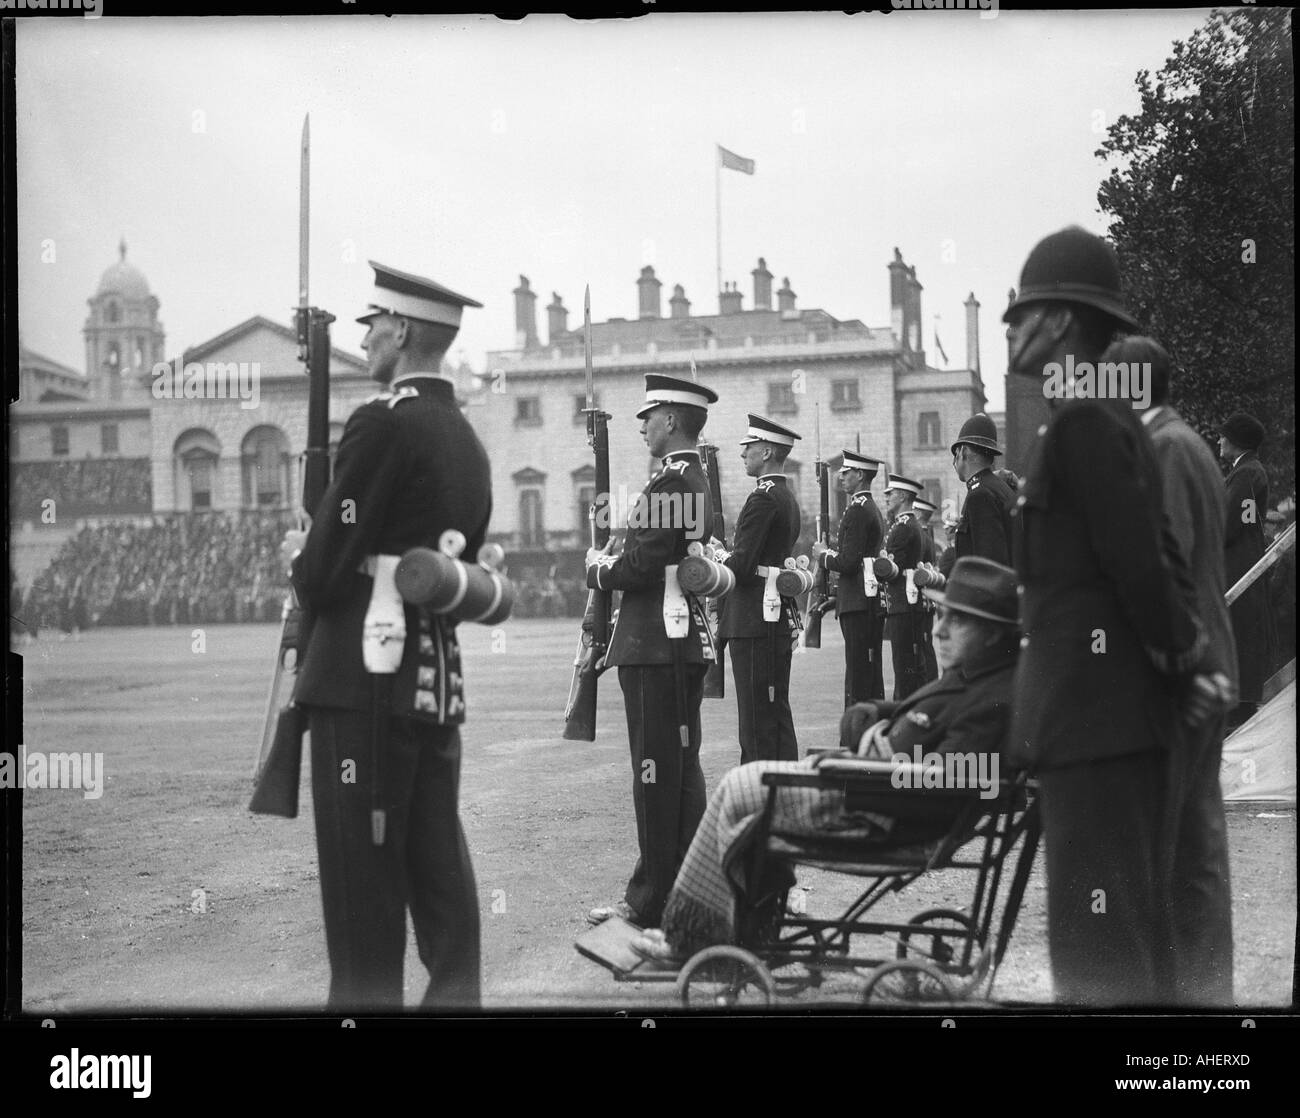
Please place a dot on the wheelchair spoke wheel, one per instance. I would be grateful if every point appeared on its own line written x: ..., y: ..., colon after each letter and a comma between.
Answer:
x: 725, y: 977
x: 906, y: 981
x: 939, y: 936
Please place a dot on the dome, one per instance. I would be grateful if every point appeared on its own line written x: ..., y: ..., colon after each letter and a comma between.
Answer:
x: 123, y: 279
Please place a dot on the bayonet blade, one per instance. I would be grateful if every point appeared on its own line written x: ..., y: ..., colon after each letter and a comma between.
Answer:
x: 304, y: 212
x: 586, y: 353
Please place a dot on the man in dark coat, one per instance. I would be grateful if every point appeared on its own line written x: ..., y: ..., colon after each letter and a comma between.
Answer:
x: 1112, y: 641
x: 858, y: 600
x: 662, y: 675
x: 1195, y: 505
x: 409, y: 469
x: 925, y: 511
x: 1247, y: 485
x: 905, y: 621
x: 967, y: 711
x: 758, y: 624
x: 985, y: 524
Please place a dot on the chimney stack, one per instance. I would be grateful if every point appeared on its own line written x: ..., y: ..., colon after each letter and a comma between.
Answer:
x: 679, y: 305
x: 972, y: 333
x: 762, y: 286
x: 730, y: 300
x: 557, y: 318
x: 785, y: 300
x: 898, y: 297
x: 915, y: 338
x: 525, y: 315
x: 648, y: 292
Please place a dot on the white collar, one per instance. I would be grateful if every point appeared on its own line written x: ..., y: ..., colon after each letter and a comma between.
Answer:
x: 1150, y: 414
x: 419, y: 376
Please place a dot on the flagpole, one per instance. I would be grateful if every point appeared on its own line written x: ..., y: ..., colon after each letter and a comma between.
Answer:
x: 717, y: 195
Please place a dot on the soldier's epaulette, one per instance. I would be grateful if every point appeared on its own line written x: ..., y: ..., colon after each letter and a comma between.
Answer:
x: 765, y: 486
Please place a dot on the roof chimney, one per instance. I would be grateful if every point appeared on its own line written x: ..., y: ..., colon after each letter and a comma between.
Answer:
x: 730, y: 300
x: 972, y: 333
x: 648, y: 290
x: 914, y: 338
x: 898, y: 297
x: 785, y: 299
x: 557, y: 318
x: 525, y: 315
x: 762, y: 286
x: 679, y: 305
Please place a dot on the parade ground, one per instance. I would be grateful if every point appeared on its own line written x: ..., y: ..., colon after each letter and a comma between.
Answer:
x: 163, y: 894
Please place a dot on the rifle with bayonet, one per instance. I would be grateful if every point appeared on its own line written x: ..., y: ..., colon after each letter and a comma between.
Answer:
x: 593, y: 642
x: 715, y: 678
x: 279, y: 759
x: 819, y: 597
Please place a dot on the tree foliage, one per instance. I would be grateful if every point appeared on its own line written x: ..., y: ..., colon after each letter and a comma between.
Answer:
x: 1201, y: 199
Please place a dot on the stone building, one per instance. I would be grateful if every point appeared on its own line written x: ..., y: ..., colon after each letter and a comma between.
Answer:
x: 801, y: 366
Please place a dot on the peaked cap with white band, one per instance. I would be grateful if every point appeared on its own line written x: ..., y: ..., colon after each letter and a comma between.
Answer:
x: 765, y: 431
x: 411, y: 296
x: 925, y: 506
x: 660, y: 389
x: 855, y: 461
x: 906, y: 484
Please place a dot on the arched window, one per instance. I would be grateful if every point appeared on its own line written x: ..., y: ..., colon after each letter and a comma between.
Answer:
x: 196, y: 455
x: 114, y: 315
x: 532, y: 532
x: 264, y: 468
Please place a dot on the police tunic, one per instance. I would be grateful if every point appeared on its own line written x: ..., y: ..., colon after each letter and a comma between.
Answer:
x: 409, y: 467
x: 761, y: 651
x: 985, y: 525
x: 862, y: 619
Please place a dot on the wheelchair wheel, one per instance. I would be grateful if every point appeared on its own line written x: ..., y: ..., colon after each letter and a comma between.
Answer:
x: 937, y: 935
x: 725, y: 977
x: 904, y: 981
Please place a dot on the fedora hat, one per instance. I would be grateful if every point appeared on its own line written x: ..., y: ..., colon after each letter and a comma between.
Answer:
x: 981, y: 588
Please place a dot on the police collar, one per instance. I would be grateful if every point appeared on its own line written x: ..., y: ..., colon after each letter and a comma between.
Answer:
x: 674, y: 455
x: 977, y: 475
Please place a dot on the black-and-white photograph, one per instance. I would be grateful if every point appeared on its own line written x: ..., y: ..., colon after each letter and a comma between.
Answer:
x: 768, y: 513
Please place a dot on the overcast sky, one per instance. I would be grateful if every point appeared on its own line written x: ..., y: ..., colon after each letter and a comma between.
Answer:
x: 472, y: 150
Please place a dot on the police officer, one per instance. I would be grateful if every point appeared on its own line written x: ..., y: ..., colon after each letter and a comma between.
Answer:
x: 924, y: 511
x: 859, y: 603
x: 758, y: 624
x: 1110, y: 669
x: 662, y: 675
x: 905, y: 618
x: 1240, y: 438
x: 409, y: 468
x: 985, y: 525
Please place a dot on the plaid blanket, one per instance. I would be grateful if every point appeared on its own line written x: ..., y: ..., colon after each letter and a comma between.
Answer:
x: 714, y: 883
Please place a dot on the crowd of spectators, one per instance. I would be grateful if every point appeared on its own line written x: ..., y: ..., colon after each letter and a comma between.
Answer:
x: 82, y: 487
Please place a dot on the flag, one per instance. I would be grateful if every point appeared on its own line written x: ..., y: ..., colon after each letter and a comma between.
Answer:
x: 735, y: 162
x: 938, y: 344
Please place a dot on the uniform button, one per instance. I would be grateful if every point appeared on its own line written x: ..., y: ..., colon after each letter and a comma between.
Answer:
x: 1043, y: 429
x: 1020, y: 501
x: 1024, y: 642
x: 1020, y: 591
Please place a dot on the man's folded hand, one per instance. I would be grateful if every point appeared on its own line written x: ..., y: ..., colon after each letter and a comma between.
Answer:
x: 854, y: 721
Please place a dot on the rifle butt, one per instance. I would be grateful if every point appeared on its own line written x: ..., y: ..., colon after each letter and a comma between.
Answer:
x: 275, y: 790
x: 580, y: 714
x: 715, y: 679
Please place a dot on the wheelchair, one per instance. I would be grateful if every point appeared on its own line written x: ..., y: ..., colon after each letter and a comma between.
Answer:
x: 940, y: 956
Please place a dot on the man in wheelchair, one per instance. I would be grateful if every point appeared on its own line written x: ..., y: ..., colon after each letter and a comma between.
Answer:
x: 966, y: 711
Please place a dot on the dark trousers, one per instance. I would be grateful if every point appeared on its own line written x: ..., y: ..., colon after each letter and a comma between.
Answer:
x: 1108, y: 896
x: 1202, y: 896
x: 423, y: 865
x: 766, y: 723
x: 903, y: 631
x: 864, y: 671
x: 927, y: 647
x: 668, y: 792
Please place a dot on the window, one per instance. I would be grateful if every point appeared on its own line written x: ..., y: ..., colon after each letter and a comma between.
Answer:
x: 114, y: 314
x: 780, y: 398
x: 844, y: 395
x: 59, y: 441
x: 928, y: 429
x: 199, y: 465
x: 932, y: 491
x: 265, y: 468
x: 528, y: 411
x: 108, y: 438
x: 531, y: 531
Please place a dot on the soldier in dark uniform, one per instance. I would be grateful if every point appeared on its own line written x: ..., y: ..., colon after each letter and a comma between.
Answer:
x: 924, y: 511
x: 1111, y: 666
x: 1239, y: 439
x: 985, y: 525
x: 859, y: 603
x: 662, y: 677
x: 906, y: 615
x: 759, y: 631
x: 409, y: 468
